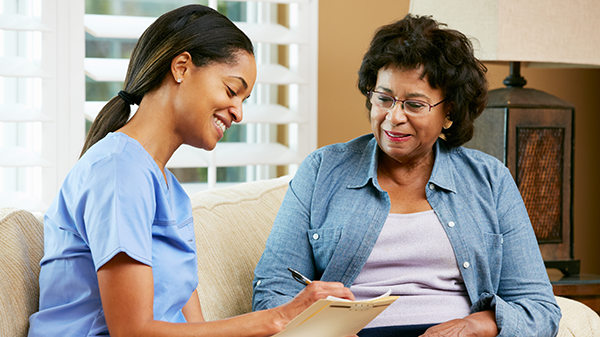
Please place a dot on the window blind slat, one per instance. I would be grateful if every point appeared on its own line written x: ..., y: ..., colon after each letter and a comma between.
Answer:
x: 116, y: 26
x: 277, y: 74
x: 114, y: 70
x: 235, y: 154
x: 18, y: 156
x: 21, y: 23
x: 242, y: 154
x: 23, y: 201
x: 106, y: 70
x: 253, y: 113
x: 92, y: 108
x: 270, y: 114
x: 15, y: 66
x: 270, y: 33
x: 22, y: 113
x: 187, y: 156
x: 132, y: 27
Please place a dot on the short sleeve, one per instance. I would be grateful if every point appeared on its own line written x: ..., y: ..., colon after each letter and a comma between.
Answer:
x: 118, y: 205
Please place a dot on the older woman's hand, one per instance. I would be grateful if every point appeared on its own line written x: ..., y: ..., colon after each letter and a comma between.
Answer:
x: 480, y: 324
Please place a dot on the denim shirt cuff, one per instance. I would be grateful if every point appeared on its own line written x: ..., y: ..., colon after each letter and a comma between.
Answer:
x: 506, y: 318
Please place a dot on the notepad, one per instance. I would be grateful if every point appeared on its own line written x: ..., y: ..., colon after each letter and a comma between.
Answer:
x: 336, y: 317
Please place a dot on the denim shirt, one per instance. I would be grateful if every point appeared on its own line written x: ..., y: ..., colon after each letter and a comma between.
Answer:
x: 334, y: 210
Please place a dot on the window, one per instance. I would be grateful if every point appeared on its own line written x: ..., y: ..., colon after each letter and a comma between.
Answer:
x: 279, y: 126
x: 41, y: 98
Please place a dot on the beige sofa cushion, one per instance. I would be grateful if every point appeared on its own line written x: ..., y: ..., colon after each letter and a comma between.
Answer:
x: 21, y: 249
x: 577, y: 319
x: 232, y: 225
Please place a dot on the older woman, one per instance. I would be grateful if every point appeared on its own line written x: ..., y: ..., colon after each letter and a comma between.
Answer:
x: 407, y: 209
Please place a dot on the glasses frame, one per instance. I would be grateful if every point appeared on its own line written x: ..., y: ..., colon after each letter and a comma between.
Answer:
x: 395, y: 101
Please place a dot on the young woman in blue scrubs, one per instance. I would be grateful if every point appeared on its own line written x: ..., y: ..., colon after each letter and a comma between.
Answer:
x: 120, y: 256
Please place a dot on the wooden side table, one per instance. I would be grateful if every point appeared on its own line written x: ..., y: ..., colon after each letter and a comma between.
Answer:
x: 584, y: 288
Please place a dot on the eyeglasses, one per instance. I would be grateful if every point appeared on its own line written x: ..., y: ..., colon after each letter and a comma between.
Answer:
x: 410, y: 106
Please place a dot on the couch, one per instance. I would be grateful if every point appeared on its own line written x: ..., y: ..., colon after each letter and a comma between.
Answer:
x: 231, y: 226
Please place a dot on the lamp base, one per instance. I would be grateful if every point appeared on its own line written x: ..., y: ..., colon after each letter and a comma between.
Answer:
x: 567, y: 267
x: 532, y: 133
x: 514, y: 79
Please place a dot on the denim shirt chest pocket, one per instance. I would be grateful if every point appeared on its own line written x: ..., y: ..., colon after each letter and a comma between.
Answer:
x: 323, y: 242
x: 484, y: 252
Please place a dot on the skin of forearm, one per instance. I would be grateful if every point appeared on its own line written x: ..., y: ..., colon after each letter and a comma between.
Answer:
x: 479, y: 324
x: 485, y: 321
x: 255, y: 324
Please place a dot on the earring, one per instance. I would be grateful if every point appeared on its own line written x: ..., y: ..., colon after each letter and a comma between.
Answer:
x: 179, y: 80
x: 446, y: 126
x: 447, y: 123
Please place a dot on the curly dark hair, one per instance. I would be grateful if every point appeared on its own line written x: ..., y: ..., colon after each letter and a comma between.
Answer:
x: 448, y: 62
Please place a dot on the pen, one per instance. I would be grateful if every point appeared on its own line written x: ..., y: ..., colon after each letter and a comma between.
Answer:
x: 299, y: 277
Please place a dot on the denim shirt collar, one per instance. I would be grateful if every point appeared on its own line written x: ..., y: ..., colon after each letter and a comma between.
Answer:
x: 442, y: 175
x: 367, y: 169
x: 443, y: 169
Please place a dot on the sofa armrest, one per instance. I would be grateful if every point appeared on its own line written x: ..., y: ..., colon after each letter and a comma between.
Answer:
x: 21, y: 249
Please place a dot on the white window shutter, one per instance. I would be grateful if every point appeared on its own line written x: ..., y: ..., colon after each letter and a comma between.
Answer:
x: 261, y: 152
x: 41, y: 98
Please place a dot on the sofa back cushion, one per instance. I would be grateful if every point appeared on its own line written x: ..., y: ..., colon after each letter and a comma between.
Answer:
x: 21, y: 249
x: 232, y: 225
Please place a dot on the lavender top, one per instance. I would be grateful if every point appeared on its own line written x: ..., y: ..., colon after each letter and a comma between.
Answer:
x: 424, y: 272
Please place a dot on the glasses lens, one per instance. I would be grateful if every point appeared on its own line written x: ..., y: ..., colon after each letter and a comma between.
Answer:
x: 382, y: 100
x: 415, y: 107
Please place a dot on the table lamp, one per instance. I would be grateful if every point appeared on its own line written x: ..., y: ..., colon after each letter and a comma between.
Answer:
x: 531, y: 131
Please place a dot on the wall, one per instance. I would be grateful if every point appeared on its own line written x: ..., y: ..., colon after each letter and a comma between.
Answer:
x: 344, y: 35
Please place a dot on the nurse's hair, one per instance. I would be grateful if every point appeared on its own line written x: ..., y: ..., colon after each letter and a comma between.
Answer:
x: 206, y: 34
x: 448, y: 62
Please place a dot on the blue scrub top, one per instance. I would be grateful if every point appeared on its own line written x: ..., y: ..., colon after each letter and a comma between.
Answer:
x: 115, y: 199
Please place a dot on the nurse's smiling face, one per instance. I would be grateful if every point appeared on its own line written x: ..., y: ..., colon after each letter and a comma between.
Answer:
x: 210, y: 99
x: 403, y: 137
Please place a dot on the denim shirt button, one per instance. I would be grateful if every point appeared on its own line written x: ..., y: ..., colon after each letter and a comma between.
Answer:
x: 451, y: 224
x: 316, y: 236
x: 431, y: 187
x: 258, y: 283
x: 466, y: 265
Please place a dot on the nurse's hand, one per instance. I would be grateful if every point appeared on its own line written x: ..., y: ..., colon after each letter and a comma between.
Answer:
x: 480, y: 324
x: 313, y: 292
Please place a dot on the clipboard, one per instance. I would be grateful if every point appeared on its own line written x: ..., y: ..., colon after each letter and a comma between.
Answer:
x: 335, y: 317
